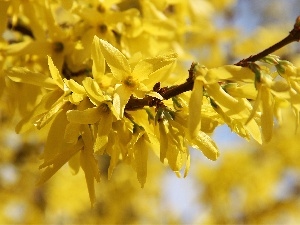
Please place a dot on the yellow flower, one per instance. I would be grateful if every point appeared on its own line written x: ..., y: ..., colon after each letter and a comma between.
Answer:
x: 195, y: 103
x: 138, y: 148
x: 200, y: 141
x: 50, y: 104
x: 266, y: 100
x: 102, y: 116
x: 49, y: 38
x: 100, y: 20
x: 133, y: 81
x: 233, y: 110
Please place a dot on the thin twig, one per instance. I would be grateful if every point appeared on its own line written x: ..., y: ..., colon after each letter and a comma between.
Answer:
x: 294, y: 35
x: 135, y: 104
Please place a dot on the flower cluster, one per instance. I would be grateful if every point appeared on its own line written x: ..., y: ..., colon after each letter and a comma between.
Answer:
x: 106, y: 77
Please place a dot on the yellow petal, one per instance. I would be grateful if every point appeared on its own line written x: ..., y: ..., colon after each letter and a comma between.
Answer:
x: 74, y: 163
x: 55, y: 164
x: 159, y: 75
x: 175, y: 160
x: 255, y: 106
x: 187, y: 164
x: 146, y: 67
x: 87, y: 116
x: 88, y: 163
x: 195, y: 105
x: 155, y: 95
x: 116, y: 61
x: 235, y: 108
x: 114, y: 153
x: 55, y: 140
x: 22, y: 74
x: 121, y: 97
x: 74, y: 86
x: 75, y: 98
x: 98, y: 68
x: 141, y: 159
x: 44, y: 119
x: 267, y: 113
x: 206, y: 145
x: 245, y: 91
x: 29, y: 47
x: 295, y: 102
x: 229, y: 72
x: 72, y: 132
x: 63, y: 156
x: 55, y: 74
x: 142, y: 70
x: 93, y: 91
x: 104, y: 128
x: 163, y: 141
x: 44, y: 106
x: 254, y: 129
x: 220, y: 96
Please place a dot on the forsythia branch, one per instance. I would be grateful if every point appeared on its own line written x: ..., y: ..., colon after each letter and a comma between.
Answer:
x: 86, y: 71
x: 169, y: 92
x: 294, y: 35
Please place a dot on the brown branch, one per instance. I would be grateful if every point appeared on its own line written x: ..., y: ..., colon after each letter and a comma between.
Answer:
x: 166, y: 93
x: 294, y: 35
x: 169, y: 92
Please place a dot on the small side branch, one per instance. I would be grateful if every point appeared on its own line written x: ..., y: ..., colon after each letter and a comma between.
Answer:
x: 169, y: 92
x: 294, y: 35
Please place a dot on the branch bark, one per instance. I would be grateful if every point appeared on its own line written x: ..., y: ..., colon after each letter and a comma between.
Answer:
x: 293, y: 36
x: 167, y: 93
